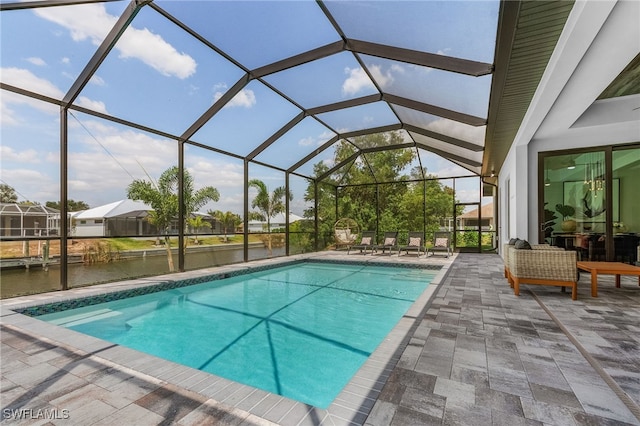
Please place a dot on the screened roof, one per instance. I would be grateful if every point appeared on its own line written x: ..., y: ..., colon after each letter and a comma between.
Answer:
x: 277, y: 83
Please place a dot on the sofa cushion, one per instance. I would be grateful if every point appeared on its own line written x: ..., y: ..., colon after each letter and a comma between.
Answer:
x: 523, y: 245
x: 513, y: 241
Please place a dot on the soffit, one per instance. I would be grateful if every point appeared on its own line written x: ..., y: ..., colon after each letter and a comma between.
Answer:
x: 527, y: 35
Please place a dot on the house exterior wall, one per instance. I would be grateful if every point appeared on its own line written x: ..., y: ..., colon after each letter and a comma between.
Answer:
x: 88, y: 229
x: 599, y: 41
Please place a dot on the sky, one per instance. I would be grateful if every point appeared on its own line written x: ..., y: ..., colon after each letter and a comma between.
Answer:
x: 161, y: 77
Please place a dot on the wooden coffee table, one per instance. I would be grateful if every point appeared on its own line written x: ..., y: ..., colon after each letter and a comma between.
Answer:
x: 608, y: 268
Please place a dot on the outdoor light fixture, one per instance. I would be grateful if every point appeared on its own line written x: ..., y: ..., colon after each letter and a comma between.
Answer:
x: 493, y: 173
x: 572, y: 165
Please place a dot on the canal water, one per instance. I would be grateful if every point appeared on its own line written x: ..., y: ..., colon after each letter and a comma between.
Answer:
x: 14, y: 282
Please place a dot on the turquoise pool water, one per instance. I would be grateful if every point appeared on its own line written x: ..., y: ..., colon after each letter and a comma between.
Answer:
x: 301, y: 331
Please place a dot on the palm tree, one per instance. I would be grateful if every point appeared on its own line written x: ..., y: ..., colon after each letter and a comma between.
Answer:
x: 268, y: 205
x: 195, y: 223
x: 162, y: 196
x: 228, y: 220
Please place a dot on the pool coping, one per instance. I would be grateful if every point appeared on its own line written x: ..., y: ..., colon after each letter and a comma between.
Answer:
x: 352, y: 405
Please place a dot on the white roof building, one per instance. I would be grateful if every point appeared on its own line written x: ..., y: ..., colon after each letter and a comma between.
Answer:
x: 278, y: 221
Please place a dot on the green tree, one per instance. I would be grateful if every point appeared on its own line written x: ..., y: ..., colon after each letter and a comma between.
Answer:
x: 7, y: 194
x: 228, y: 220
x: 268, y: 204
x: 378, y: 179
x: 195, y: 223
x: 326, y: 208
x: 72, y: 205
x: 357, y: 194
x: 162, y: 196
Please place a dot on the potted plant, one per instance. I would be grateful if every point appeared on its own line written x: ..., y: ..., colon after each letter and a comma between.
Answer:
x: 549, y: 222
x: 568, y: 224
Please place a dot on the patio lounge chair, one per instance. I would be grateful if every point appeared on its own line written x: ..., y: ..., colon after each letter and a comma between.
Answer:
x: 367, y: 241
x: 390, y: 241
x: 441, y: 242
x: 415, y: 243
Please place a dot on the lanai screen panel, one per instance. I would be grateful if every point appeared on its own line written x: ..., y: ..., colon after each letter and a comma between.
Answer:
x: 361, y: 117
x: 324, y: 81
x: 324, y: 159
x: 160, y: 76
x: 438, y: 166
x: 300, y: 141
x: 246, y: 121
x: 55, y: 43
x: 256, y: 33
x: 105, y: 157
x: 443, y: 126
x: 446, y: 89
x: 439, y: 27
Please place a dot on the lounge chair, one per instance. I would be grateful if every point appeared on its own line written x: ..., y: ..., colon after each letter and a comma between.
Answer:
x: 390, y: 242
x: 441, y: 242
x: 367, y: 241
x: 415, y: 243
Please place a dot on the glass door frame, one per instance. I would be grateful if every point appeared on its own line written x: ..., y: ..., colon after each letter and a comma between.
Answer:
x: 608, y: 173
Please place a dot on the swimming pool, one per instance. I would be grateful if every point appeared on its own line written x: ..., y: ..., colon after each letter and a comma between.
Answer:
x: 300, y: 331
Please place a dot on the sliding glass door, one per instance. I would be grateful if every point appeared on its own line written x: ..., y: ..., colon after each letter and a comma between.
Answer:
x: 626, y: 223
x: 575, y: 195
x: 587, y: 202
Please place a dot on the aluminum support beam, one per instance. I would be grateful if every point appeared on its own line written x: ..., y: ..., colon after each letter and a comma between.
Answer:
x: 444, y: 138
x: 303, y: 58
x: 431, y: 60
x: 435, y: 110
x: 450, y: 156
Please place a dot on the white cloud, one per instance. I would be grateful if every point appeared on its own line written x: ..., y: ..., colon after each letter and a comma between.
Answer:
x: 467, y: 195
x: 356, y: 81
x: 11, y: 155
x: 142, y: 155
x: 98, y: 81
x: 34, y: 185
x: 65, y: 60
x: 245, y: 98
x: 92, y: 22
x: 398, y: 69
x: 8, y: 116
x: 384, y: 80
x: 154, y: 51
x: 37, y: 61
x: 307, y: 141
x: 90, y: 104
x: 27, y: 80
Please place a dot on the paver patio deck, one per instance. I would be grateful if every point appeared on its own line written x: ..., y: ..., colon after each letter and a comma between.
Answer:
x: 476, y: 355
